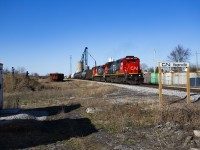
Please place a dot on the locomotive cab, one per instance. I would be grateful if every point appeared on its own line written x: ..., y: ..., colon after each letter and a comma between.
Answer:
x: 133, y: 65
x: 131, y: 69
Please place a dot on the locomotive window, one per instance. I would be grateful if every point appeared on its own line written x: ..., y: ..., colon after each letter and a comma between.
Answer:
x: 133, y: 60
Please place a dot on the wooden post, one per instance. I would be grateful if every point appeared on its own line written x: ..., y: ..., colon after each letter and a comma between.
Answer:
x: 160, y: 86
x: 188, y: 85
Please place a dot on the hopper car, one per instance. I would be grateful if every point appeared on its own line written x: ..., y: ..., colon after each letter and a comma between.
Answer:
x: 85, y: 75
x: 56, y: 76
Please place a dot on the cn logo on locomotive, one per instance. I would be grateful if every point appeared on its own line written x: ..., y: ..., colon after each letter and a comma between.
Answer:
x: 134, y: 68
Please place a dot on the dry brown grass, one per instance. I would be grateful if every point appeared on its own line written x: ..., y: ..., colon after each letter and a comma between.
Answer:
x: 119, y: 117
x: 85, y: 143
x: 19, y: 83
x: 18, y: 87
x: 51, y: 93
x: 181, y: 113
x: 114, y: 117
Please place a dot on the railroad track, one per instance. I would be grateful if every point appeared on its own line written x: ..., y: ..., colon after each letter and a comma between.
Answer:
x: 192, y: 89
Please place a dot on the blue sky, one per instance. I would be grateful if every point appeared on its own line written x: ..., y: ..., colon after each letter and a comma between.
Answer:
x: 40, y: 35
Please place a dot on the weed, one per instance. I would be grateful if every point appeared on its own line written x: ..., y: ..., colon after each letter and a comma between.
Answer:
x: 181, y: 113
x: 119, y: 117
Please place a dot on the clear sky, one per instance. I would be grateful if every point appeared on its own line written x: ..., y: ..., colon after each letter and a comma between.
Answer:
x: 40, y: 35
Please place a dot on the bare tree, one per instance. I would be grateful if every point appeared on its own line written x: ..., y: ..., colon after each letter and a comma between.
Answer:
x: 179, y: 54
x: 35, y: 74
x: 20, y: 70
x: 6, y: 70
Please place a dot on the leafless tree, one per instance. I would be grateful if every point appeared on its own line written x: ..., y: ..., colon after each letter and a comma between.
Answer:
x: 179, y: 54
x: 6, y: 70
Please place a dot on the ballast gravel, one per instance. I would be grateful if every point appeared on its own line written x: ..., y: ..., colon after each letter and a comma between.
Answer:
x: 194, y: 97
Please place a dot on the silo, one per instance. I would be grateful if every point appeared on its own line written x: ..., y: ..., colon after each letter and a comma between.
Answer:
x: 1, y: 86
x: 79, y: 66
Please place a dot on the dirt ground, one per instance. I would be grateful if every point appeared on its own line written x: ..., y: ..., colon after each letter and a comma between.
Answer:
x: 75, y: 115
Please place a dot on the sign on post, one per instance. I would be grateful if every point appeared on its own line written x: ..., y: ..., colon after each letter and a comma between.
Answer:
x: 175, y: 65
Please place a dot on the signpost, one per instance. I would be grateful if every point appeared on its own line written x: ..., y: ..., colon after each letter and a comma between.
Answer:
x: 175, y: 65
x: 160, y: 86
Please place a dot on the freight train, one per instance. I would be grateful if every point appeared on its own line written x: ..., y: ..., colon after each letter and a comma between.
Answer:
x: 125, y: 70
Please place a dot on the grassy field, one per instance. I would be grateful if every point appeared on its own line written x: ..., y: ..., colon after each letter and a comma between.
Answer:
x: 68, y: 126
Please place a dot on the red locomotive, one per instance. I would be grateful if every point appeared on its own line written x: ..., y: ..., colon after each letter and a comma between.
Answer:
x: 125, y: 70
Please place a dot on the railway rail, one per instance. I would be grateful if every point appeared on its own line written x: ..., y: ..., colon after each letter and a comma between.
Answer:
x: 179, y: 88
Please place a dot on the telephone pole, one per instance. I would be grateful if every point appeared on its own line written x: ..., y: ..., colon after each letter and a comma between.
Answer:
x: 70, y: 57
x: 154, y: 60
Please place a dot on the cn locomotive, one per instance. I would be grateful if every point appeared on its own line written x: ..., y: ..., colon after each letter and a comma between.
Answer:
x: 125, y: 70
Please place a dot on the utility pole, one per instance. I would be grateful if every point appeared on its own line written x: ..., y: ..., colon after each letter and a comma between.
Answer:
x: 70, y: 64
x: 154, y: 60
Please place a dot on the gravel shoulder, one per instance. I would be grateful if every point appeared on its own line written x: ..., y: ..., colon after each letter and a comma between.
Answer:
x: 150, y: 91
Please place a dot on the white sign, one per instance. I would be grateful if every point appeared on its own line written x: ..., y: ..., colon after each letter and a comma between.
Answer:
x: 174, y: 64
